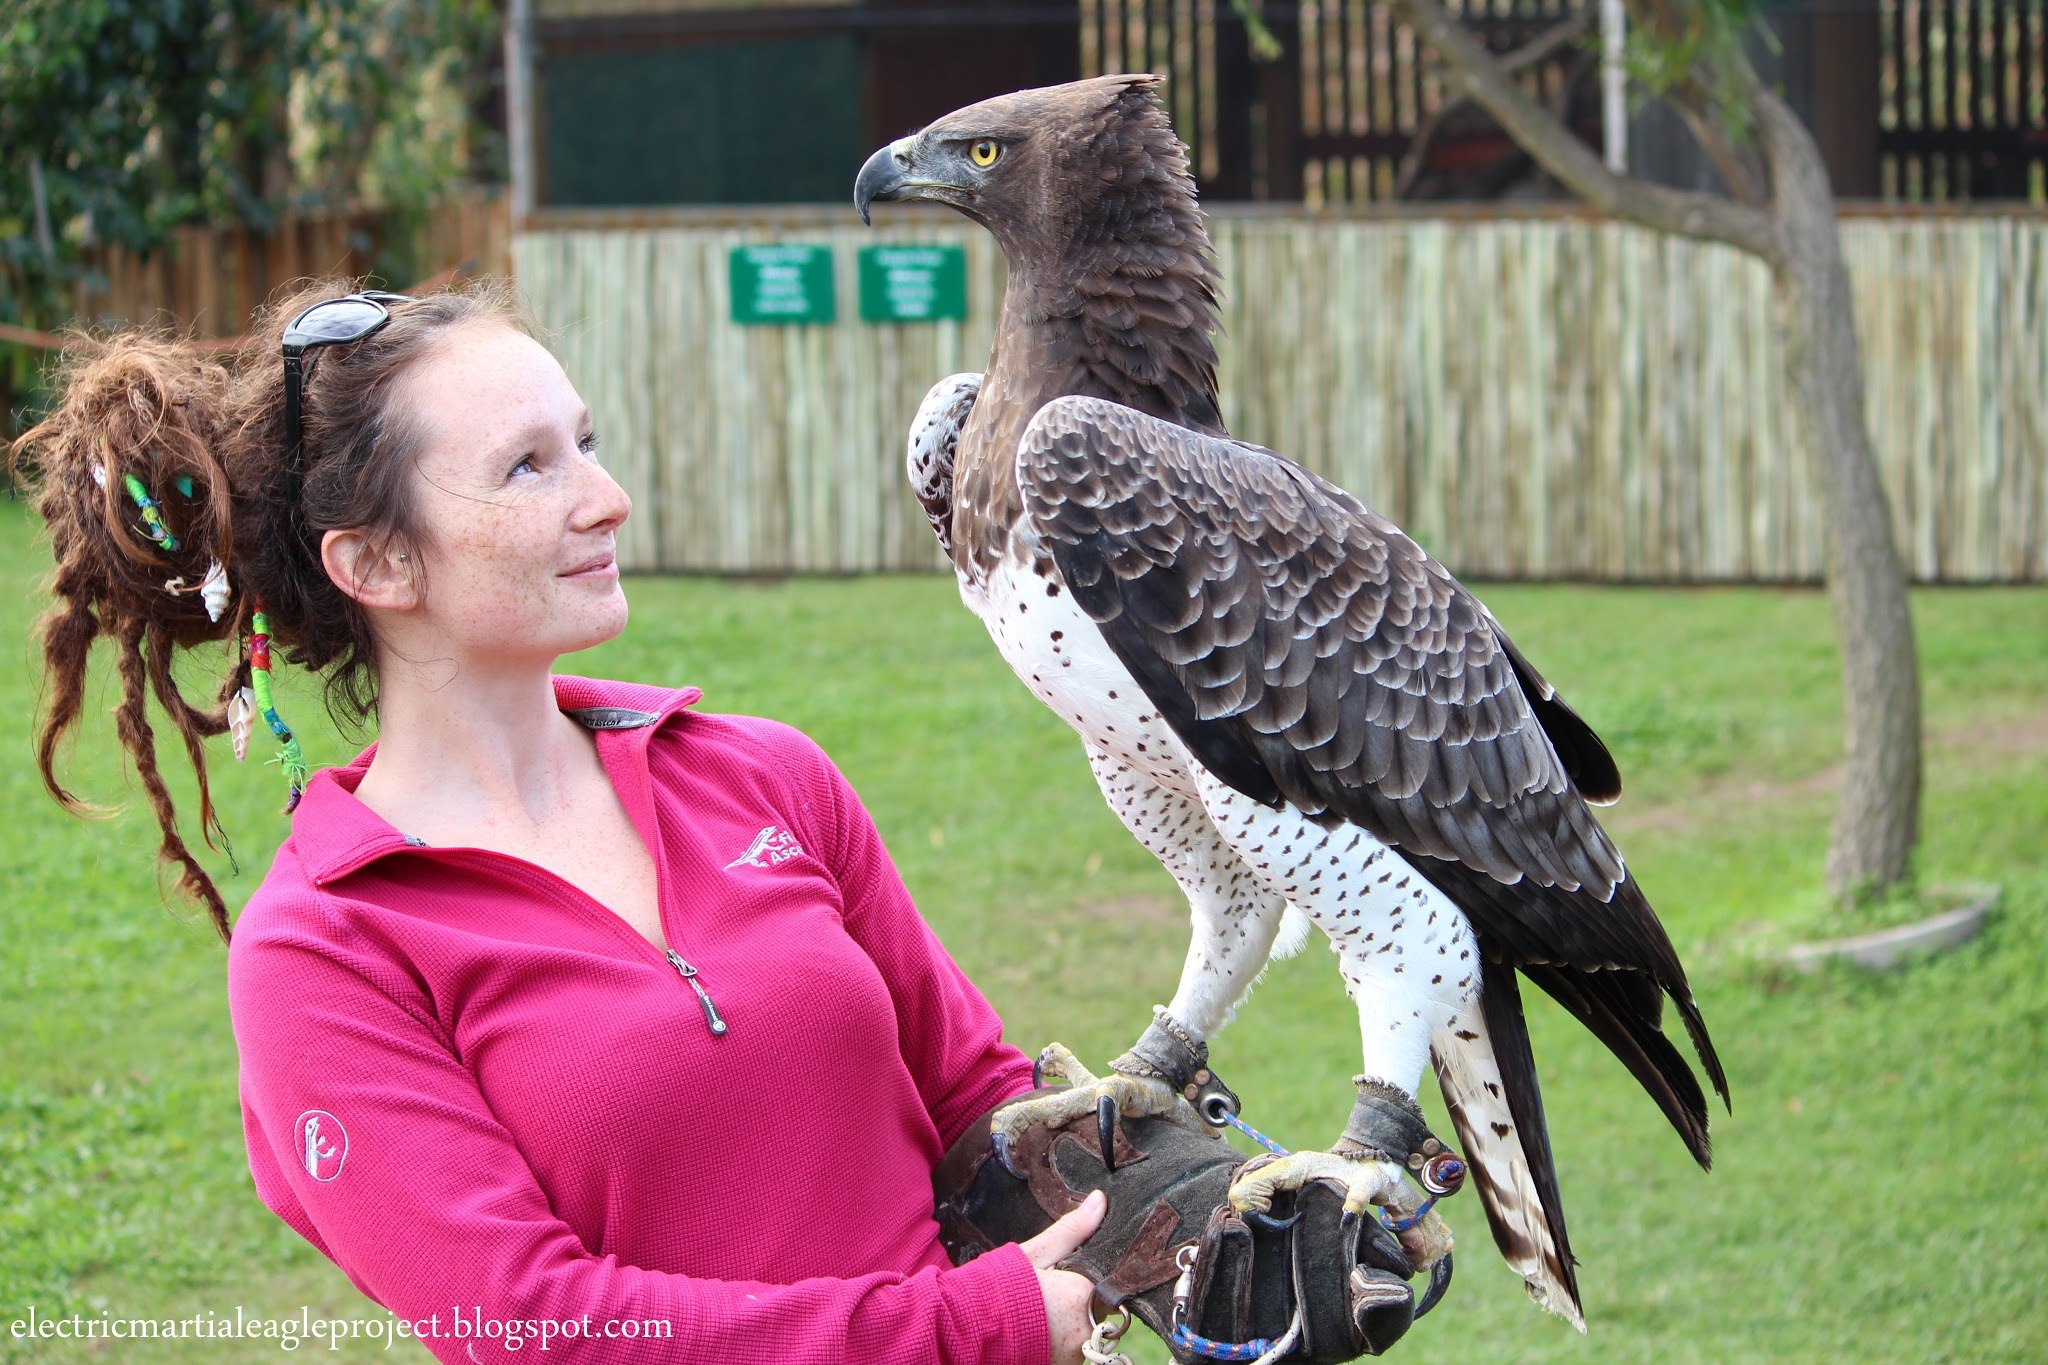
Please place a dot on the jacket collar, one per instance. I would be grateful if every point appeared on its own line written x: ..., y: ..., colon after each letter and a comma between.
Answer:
x: 334, y: 834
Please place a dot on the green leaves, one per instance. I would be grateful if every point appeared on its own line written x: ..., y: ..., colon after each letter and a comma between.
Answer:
x: 1694, y: 51
x: 149, y: 114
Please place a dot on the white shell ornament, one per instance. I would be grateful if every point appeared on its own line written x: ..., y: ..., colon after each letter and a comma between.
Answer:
x: 214, y: 591
x: 241, y: 721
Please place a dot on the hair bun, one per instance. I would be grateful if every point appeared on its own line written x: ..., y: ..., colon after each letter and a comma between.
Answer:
x: 129, y: 471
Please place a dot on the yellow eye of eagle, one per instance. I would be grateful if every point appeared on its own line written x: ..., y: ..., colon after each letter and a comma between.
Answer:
x: 985, y: 152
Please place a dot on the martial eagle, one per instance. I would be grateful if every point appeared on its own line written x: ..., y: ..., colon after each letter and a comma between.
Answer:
x: 1281, y: 695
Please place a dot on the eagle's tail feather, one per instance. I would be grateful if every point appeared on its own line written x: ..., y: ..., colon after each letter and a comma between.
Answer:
x: 1696, y: 1029
x: 1603, y: 1001
x: 1488, y: 1076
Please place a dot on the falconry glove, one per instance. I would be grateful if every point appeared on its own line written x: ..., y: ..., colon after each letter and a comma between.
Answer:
x: 1171, y: 1248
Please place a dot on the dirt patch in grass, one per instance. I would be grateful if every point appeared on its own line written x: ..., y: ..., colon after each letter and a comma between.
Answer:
x: 1957, y: 745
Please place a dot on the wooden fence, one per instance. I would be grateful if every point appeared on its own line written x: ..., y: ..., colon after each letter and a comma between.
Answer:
x: 1532, y: 397
x: 212, y: 278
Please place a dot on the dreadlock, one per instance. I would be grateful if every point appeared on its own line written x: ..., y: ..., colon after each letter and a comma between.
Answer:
x: 146, y: 420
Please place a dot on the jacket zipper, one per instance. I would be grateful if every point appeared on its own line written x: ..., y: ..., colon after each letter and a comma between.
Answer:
x: 560, y: 886
x: 689, y: 974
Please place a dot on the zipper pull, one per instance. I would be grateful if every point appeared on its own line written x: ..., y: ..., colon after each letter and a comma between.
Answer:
x: 689, y: 974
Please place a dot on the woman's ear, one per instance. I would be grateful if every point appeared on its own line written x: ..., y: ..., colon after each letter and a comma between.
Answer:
x: 377, y: 576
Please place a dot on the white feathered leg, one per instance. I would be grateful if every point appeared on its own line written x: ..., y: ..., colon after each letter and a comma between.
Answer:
x: 1410, y: 962
x: 1235, y: 921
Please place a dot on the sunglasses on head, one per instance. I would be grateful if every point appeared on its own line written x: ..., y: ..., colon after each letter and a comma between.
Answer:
x: 333, y: 323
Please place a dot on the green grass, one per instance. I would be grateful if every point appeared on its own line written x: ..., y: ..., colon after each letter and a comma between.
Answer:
x: 1881, y: 1190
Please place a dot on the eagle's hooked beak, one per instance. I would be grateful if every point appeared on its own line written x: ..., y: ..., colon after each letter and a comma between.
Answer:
x: 884, y: 178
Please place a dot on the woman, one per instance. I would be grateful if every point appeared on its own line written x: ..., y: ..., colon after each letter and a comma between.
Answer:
x: 565, y: 1008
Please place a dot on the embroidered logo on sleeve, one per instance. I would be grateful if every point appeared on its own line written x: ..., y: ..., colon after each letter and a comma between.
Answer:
x: 323, y: 1144
x: 770, y: 847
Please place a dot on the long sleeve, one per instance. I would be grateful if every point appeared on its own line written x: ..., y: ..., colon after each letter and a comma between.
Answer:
x: 372, y: 1138
x: 950, y: 1035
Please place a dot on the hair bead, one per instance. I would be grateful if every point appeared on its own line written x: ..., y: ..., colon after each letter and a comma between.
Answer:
x: 152, y: 514
x: 292, y: 757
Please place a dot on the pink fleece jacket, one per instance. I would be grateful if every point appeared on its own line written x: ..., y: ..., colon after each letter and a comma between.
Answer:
x: 488, y: 1099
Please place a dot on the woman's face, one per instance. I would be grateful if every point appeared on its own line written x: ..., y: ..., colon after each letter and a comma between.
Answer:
x: 517, y: 521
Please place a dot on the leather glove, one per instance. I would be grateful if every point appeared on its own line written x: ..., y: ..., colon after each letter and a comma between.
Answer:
x: 1172, y: 1250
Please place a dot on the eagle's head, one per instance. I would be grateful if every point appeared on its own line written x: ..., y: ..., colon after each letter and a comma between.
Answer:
x: 1046, y: 170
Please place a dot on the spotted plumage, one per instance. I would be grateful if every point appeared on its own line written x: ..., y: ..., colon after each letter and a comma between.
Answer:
x: 1296, y: 709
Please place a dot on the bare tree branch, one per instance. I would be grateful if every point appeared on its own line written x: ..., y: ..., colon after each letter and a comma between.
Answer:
x: 1469, y: 66
x: 1735, y: 171
x: 1512, y: 63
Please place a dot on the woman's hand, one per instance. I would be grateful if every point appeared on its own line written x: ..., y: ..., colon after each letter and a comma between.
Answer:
x: 1066, y: 1294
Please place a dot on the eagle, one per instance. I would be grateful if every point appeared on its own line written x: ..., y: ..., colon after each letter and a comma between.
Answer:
x: 1303, y: 715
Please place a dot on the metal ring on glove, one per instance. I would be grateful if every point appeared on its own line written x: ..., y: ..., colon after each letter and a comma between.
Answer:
x: 1216, y: 1102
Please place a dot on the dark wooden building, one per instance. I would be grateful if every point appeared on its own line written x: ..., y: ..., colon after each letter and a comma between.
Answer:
x: 653, y: 102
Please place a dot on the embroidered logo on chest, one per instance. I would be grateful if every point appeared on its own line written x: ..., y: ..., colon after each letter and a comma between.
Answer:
x: 770, y: 847
x: 322, y: 1142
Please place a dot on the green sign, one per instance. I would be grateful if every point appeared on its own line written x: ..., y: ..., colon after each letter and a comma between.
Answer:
x: 781, y: 284
x: 913, y: 283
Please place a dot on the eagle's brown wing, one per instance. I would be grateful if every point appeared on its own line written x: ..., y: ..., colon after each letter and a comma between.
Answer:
x: 1309, y: 652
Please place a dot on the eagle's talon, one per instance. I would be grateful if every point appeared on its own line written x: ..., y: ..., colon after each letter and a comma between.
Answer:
x: 1439, y: 1281
x: 1129, y: 1097
x: 1105, y: 1130
x: 1267, y: 1221
x: 1058, y: 1062
x: 999, y: 1143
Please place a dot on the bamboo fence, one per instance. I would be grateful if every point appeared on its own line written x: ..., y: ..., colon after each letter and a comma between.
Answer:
x: 1549, y: 396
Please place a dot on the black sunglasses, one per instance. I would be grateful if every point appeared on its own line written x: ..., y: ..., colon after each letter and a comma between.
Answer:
x: 333, y: 323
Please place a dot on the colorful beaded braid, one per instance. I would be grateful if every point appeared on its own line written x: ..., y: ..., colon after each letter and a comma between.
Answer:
x: 152, y: 515
x: 293, y: 758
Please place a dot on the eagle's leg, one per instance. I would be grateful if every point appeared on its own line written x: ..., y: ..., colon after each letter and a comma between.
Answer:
x: 1235, y: 921
x: 1387, y: 1155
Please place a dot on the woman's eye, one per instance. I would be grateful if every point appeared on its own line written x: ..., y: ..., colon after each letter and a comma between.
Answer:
x: 588, y: 445
x: 525, y: 465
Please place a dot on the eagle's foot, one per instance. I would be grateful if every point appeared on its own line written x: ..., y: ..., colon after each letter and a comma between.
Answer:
x: 1106, y: 1097
x: 1386, y: 1129
x: 1365, y: 1182
x: 1165, y: 1075
x: 1369, y: 1183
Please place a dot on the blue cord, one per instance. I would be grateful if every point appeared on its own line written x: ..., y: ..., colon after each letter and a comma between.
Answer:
x: 1185, y: 1340
x: 1255, y: 1135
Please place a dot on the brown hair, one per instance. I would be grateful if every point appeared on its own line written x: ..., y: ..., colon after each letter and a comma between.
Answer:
x: 205, y: 435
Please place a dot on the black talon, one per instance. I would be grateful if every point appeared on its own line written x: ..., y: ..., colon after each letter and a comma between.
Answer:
x: 1269, y: 1222
x: 1000, y: 1145
x: 1105, y: 1129
x: 1439, y: 1281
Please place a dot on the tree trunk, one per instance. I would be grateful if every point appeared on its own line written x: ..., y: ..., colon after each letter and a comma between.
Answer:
x: 1794, y: 232
x: 1877, y: 821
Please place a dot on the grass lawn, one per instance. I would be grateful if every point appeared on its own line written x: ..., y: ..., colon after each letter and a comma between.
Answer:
x: 1880, y: 1193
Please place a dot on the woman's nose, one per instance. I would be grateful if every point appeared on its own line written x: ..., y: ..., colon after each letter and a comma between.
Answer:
x: 605, y: 503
